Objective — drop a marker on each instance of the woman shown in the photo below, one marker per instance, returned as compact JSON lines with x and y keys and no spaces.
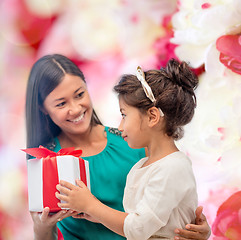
{"x":59,"y":114}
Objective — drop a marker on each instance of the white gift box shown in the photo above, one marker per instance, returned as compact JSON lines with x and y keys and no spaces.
{"x":45,"y":173}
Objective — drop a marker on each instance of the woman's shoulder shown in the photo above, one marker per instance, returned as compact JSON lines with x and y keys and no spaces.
{"x":51,"y":145}
{"x":117,"y":143}
{"x":113,"y":131}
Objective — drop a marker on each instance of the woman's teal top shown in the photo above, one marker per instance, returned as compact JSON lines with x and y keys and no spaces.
{"x":108,"y":171}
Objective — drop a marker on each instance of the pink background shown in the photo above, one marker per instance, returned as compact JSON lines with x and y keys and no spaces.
{"x":107,"y":38}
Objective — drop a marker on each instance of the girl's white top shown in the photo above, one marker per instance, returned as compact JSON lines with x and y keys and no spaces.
{"x":159,"y":198}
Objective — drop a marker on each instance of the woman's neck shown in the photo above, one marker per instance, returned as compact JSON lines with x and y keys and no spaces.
{"x":91,"y":142}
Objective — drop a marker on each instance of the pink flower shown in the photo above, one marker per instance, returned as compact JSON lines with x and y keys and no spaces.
{"x":229,"y":47}
{"x":164,"y":48}
{"x":206,"y":5}
{"x":227,"y":225}
{"x":30,"y":28}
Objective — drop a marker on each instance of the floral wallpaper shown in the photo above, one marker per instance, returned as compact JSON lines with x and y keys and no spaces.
{"x":107,"y":38}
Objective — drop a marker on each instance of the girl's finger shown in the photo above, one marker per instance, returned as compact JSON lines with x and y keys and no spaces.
{"x":63,"y":205}
{"x":61,"y":197}
{"x":80,"y":183}
{"x":67,"y":184}
{"x":62,"y":189}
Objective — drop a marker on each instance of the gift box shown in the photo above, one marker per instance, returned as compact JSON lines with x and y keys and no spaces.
{"x":47,"y":169}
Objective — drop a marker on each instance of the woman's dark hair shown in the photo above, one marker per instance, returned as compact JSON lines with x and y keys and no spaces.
{"x":173,"y":88}
{"x":46,"y":74}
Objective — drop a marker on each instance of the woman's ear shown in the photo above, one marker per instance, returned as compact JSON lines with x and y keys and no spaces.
{"x":43,"y":110}
{"x":153,"y":116}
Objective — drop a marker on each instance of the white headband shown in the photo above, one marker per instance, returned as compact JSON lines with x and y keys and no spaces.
{"x":147,"y":89}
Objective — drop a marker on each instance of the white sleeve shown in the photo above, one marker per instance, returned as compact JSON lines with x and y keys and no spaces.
{"x":166,"y":188}
{"x":141,"y":224}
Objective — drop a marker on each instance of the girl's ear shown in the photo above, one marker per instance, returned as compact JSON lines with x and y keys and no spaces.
{"x":153,"y":116}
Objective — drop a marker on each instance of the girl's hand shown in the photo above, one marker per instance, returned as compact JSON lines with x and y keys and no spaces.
{"x":78,"y":198}
{"x":86,"y":217}
{"x":199,"y":231}
{"x":45,"y":224}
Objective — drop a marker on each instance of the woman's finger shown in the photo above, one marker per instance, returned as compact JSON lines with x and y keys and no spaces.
{"x":44,"y":214}
{"x":186,"y":234}
{"x":79,"y":215}
{"x":181,"y":238}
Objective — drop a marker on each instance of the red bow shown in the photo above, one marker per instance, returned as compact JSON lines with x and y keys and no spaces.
{"x":43,"y":152}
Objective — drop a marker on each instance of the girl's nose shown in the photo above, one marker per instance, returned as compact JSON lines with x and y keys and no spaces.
{"x":120,"y":128}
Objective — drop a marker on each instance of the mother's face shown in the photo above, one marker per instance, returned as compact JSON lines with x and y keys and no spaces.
{"x":69,"y":106}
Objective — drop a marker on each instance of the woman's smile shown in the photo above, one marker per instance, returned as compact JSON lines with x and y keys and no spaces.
{"x":78,"y":119}
{"x":69,"y":105}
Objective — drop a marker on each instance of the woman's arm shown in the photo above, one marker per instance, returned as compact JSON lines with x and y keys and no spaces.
{"x":45,"y":225}
{"x":199,"y":231}
{"x":80,"y":199}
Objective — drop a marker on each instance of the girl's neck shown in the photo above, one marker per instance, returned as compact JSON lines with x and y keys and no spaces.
{"x":160,"y":148}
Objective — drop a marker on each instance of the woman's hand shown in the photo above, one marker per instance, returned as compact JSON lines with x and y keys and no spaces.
{"x":198,"y":231}
{"x":45,"y":224}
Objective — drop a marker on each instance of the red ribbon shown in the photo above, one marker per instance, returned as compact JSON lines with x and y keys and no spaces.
{"x":82,"y":171}
{"x":50,"y":172}
{"x":50,"y":180}
{"x":43,"y":152}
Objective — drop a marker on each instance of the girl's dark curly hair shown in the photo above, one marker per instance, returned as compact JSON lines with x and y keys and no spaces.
{"x":173,"y":88}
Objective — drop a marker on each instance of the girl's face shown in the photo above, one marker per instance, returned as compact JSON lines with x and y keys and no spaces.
{"x":69,"y":105}
{"x":133,"y":125}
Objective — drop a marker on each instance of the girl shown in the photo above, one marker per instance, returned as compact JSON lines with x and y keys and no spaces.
{"x":160,"y":193}
{"x":59,"y":114}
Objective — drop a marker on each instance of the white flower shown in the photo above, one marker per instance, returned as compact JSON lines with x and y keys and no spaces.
{"x":197,"y":27}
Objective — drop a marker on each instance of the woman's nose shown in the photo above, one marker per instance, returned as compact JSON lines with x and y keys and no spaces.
{"x":74,"y":108}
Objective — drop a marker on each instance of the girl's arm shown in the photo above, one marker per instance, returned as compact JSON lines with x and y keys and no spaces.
{"x":199,"y":231}
{"x":45,"y":225}
{"x":80,"y":199}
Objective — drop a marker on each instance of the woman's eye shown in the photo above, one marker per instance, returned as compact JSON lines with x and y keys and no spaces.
{"x":60,"y":104}
{"x":79,"y":94}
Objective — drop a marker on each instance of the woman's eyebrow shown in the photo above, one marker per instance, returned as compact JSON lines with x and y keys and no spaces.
{"x":80,"y":88}
{"x":60,"y":99}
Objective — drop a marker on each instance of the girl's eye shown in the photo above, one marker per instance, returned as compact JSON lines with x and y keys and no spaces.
{"x":60,"y":104}
{"x":123,"y":115}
